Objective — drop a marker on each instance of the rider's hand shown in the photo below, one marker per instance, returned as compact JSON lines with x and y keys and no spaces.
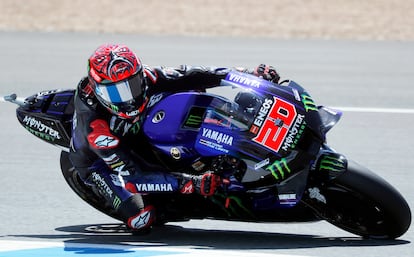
{"x":205,"y":184}
{"x":267,"y":72}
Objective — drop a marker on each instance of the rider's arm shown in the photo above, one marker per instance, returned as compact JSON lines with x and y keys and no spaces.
{"x":186,"y":77}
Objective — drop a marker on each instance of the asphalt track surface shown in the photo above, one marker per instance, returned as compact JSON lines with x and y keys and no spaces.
{"x":373,"y":80}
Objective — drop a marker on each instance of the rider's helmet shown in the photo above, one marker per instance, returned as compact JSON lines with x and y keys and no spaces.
{"x":117,"y":78}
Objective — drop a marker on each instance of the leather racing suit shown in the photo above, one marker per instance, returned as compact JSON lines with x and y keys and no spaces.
{"x":101,"y":142}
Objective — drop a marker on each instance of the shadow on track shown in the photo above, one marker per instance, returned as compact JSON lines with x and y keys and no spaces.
{"x":177,"y":236}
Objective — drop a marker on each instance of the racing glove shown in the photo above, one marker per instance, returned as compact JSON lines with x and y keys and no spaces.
{"x":205,"y":184}
{"x":267,"y":72}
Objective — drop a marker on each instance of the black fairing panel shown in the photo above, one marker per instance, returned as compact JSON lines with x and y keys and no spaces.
{"x":48,"y":116}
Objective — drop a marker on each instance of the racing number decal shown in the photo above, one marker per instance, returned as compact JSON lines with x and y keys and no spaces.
{"x":276,"y":125}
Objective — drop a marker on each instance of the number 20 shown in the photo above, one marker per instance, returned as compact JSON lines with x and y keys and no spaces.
{"x":276,"y":126}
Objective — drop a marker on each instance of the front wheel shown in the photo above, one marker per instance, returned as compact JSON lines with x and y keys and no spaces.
{"x":362,"y":203}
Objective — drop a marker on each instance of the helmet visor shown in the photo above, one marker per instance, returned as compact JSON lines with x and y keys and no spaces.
{"x":121,"y":92}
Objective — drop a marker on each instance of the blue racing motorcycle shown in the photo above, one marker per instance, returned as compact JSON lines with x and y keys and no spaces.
{"x":267,"y":140}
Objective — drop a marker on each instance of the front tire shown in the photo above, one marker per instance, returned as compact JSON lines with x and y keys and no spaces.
{"x":363,"y":203}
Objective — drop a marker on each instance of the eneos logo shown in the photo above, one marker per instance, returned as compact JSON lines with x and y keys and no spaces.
{"x":274,"y":128}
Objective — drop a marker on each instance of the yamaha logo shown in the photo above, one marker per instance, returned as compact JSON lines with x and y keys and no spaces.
{"x":158,"y":117}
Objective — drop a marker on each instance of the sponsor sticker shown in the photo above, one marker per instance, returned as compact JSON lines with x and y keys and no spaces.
{"x":149,"y":187}
{"x":243,"y":79}
{"x":104,"y":141}
{"x":273,"y":123}
{"x":215,"y":140}
{"x":32,"y":124}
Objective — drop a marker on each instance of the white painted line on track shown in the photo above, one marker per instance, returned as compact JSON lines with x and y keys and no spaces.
{"x":9,"y":248}
{"x":374,"y":110}
{"x":341,"y":108}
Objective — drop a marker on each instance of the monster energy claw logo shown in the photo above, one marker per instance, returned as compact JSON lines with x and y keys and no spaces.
{"x":116,"y":202}
{"x":114,"y":108}
{"x":193,"y":121}
{"x":279,"y":169}
{"x":308,"y":103}
{"x":332,"y":164}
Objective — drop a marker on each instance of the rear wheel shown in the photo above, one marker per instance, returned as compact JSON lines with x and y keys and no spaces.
{"x":362,"y":203}
{"x":71,"y":176}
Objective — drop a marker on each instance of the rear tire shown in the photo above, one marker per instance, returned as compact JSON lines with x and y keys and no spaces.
{"x":363,"y":203}
{"x":85,"y":192}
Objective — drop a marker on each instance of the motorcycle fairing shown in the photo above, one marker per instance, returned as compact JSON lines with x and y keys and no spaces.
{"x":188,"y":123}
{"x":284,"y":97}
{"x":48,"y":116}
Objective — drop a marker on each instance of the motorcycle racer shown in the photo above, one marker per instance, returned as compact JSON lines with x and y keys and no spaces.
{"x":110,"y":107}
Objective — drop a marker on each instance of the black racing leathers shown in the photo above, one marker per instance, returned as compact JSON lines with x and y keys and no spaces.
{"x":108,"y":151}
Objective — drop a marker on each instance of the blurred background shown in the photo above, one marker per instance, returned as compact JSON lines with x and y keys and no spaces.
{"x":283,"y":19}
